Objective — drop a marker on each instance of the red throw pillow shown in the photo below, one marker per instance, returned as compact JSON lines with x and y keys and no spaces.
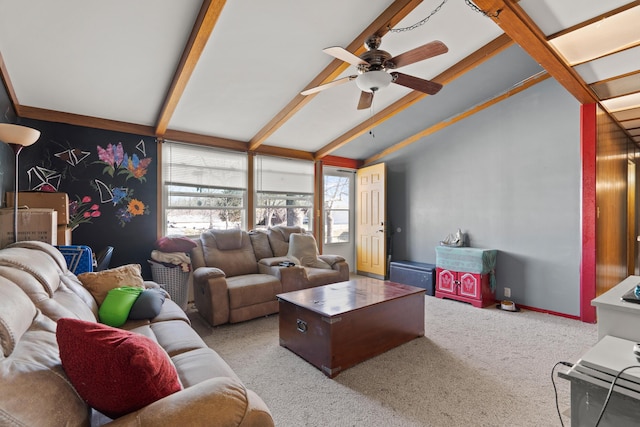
{"x":114,"y":371}
{"x":175,"y":244}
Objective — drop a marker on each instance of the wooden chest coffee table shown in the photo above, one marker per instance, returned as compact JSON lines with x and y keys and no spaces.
{"x":336,"y":326}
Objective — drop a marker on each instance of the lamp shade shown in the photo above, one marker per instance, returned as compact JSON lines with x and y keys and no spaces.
{"x":372,"y":81}
{"x":19,"y":135}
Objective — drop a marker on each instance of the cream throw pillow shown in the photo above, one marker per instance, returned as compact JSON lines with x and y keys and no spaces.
{"x":303,"y":250}
{"x":99,"y":283}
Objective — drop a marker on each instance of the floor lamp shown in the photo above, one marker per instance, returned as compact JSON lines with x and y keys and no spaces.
{"x":17,"y":137}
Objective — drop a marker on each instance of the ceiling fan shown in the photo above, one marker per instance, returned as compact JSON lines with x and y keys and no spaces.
{"x":373,"y":66}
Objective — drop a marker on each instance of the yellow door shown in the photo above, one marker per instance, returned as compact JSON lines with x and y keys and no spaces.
{"x":371,"y":243}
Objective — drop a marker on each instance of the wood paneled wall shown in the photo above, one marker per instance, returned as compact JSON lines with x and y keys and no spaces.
{"x":614,"y":151}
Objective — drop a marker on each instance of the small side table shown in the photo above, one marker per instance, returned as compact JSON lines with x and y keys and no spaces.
{"x":466,"y":274}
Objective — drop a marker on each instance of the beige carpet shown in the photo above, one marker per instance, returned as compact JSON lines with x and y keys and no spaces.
{"x":473,"y":367}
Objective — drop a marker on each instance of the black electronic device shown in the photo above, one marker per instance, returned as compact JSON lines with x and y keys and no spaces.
{"x":287,"y":264}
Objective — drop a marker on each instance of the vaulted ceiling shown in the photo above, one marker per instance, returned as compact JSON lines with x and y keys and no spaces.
{"x":229,"y":74}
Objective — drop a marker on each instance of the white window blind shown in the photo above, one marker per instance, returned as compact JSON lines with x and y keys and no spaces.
{"x":203,"y":188}
{"x":284,"y":192}
{"x":195,"y":165}
{"x":274,"y":174}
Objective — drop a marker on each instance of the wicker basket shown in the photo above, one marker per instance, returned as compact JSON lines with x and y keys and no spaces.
{"x":174,"y":280}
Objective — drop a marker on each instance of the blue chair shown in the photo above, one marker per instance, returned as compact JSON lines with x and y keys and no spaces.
{"x":79,"y":258}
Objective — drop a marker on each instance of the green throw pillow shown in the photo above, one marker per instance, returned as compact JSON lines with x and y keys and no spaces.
{"x":115,"y":309}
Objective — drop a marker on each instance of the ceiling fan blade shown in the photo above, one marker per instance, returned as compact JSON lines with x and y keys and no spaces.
{"x":328,"y":85}
{"x":420,"y":53}
{"x":366,"y":98}
{"x":344,"y":55}
{"x":415,"y":83}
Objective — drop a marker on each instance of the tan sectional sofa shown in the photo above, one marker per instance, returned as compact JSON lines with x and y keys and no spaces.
{"x":36,"y":290}
{"x":237,"y":274}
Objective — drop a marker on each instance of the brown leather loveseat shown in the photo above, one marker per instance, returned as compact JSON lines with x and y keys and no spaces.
{"x":237,"y":274}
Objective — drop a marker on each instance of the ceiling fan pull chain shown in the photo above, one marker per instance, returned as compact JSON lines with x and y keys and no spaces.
{"x":371,"y":114}
{"x":418,"y":24}
{"x":480,"y":11}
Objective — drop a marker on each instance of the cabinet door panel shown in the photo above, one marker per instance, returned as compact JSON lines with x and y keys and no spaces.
{"x":469,"y":285}
{"x":446,"y":281}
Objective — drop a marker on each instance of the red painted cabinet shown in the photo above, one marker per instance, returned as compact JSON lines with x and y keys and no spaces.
{"x":463,"y":286}
{"x":466,"y":274}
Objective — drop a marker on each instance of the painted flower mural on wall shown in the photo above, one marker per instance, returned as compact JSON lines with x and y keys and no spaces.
{"x":113,"y":156}
{"x":81,"y":211}
{"x":120,"y":163}
{"x":134,"y":208}
{"x":136,"y":167}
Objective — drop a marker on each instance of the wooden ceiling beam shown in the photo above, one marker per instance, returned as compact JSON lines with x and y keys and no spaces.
{"x":270,"y":150}
{"x":517,"y":24}
{"x":209,"y":141}
{"x":80,"y":120}
{"x":388,"y":19}
{"x":202,"y":29}
{"x":486,"y":52}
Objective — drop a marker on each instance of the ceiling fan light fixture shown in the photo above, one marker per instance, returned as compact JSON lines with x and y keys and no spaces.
{"x":372,"y":81}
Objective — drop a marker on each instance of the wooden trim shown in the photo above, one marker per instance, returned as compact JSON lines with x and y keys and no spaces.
{"x":87,"y":121}
{"x":553,"y":313}
{"x":389,"y":18}
{"x":439,"y":126}
{"x":210,"y":141}
{"x":342,"y":162}
{"x":159,"y":190}
{"x":202,"y":29}
{"x":588,"y":147}
{"x":318,"y":202}
{"x":284,"y":152}
{"x":484,"y":53}
{"x":517,"y":24}
{"x":251,"y":191}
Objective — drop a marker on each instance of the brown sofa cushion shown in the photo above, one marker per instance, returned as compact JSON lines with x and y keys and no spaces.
{"x":303,"y":250}
{"x":261,"y":246}
{"x":99,"y":283}
{"x":230,"y":251}
{"x":279,"y":238}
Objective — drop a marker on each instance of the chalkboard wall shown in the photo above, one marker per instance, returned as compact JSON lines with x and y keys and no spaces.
{"x":111,"y":180}
{"x":7,"y":159}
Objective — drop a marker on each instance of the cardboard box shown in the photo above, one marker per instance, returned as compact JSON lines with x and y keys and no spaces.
{"x":64,"y":235}
{"x":43,"y":199}
{"x":33,"y":224}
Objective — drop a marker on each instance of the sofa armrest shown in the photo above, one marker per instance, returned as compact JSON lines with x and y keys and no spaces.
{"x":205,"y":273}
{"x":210,"y":295}
{"x":331,"y":259}
{"x":292,"y":278}
{"x":337,"y":263}
{"x":222,"y":399}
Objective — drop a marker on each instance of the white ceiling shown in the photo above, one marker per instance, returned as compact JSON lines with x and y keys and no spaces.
{"x":117,"y":60}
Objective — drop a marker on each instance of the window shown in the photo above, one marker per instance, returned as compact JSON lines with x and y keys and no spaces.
{"x":284,"y":192}
{"x":337,"y":203}
{"x":203,"y":188}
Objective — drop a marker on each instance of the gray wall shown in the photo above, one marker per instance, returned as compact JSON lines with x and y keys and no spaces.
{"x":508,"y":176}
